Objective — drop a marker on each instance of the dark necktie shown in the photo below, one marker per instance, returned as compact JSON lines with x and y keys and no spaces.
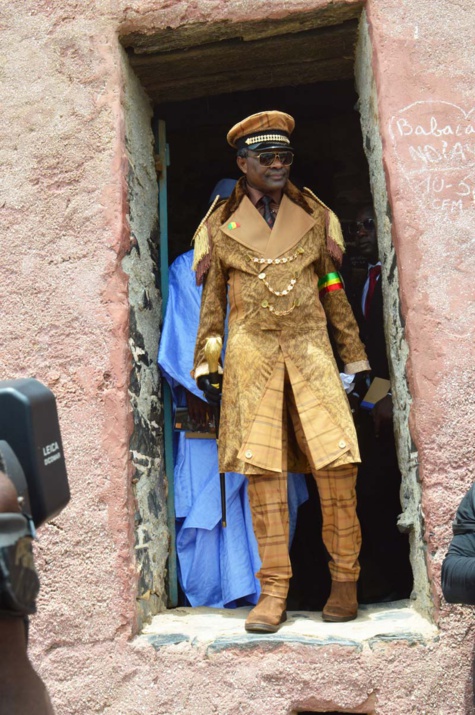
{"x":374,"y":273}
{"x":268,"y":215}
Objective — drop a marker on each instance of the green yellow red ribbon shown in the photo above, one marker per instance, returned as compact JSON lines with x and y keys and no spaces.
{"x":329,"y":283}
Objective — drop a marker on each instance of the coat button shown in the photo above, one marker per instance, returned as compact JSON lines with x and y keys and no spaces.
{"x":342,"y":444}
{"x":248,"y":454}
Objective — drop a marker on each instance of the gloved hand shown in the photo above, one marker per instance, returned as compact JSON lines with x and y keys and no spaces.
{"x":212,"y":394}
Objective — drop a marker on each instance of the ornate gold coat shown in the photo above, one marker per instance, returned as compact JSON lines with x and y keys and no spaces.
{"x":278,"y":332}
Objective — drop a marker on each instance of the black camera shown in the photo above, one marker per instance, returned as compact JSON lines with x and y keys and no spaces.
{"x":31,"y":455}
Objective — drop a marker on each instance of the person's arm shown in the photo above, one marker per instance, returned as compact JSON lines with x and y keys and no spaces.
{"x":458,"y":570}
{"x":212,"y":313}
{"x":180,"y":325}
{"x":340,"y":318}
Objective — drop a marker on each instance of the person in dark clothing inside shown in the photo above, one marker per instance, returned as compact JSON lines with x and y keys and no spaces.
{"x":385,"y":568}
{"x":458,"y":568}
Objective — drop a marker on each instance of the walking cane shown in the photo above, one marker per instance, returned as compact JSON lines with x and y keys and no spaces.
{"x":213,"y":350}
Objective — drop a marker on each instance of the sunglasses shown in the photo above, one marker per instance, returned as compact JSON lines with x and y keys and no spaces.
{"x":267,"y":158}
{"x":367,"y":224}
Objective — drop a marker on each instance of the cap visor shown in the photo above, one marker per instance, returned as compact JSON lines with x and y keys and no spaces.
{"x":264,"y":146}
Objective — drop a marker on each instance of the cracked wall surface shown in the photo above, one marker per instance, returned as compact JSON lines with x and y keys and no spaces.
{"x":411,"y":519}
{"x":141,"y":266}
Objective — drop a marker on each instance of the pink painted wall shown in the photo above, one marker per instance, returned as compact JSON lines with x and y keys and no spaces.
{"x":424,"y":67}
{"x":65,"y":321}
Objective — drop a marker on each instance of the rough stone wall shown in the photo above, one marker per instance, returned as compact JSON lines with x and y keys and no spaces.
{"x":410,"y":520}
{"x":66,"y":321}
{"x":141,"y":265}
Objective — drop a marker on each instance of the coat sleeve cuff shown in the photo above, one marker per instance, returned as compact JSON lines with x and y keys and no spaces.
{"x":360,"y":366}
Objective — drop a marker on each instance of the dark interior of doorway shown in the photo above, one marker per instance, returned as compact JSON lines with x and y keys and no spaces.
{"x":329,"y":152}
{"x":330,"y":160}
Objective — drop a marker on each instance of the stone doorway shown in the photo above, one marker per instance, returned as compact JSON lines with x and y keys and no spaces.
{"x":330,"y":160}
{"x":183,"y":78}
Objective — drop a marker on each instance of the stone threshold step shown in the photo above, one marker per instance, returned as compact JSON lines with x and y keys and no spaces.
{"x":219,"y":629}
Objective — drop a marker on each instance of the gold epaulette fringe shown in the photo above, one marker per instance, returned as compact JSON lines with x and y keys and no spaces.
{"x":201,"y":239}
{"x":335,"y":241}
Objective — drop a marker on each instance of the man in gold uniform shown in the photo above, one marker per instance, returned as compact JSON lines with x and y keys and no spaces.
{"x":274,"y":253}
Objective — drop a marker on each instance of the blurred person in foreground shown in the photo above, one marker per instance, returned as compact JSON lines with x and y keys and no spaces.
{"x":458,"y":568}
{"x":22,"y":692}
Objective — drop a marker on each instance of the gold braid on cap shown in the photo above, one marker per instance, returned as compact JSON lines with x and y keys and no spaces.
{"x":202,"y":246}
{"x":267,"y":138}
{"x":335,"y":242}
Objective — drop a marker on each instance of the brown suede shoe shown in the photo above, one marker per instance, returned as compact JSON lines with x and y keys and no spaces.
{"x":267,"y":616}
{"x":342,"y":605}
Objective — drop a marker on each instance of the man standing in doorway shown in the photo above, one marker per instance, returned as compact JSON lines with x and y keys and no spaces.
{"x":274,"y":252}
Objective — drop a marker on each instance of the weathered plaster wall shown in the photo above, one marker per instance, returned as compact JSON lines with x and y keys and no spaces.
{"x":66,"y":321}
{"x":423,"y":66}
{"x":65,"y":312}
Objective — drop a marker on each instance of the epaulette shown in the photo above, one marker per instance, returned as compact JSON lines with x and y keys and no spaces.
{"x":202,"y":246}
{"x":334,"y":236}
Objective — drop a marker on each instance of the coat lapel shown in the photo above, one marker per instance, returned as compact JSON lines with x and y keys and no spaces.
{"x":292,"y":223}
{"x":247,"y":226}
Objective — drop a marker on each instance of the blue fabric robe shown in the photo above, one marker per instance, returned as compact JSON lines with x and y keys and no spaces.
{"x":216,"y":566}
